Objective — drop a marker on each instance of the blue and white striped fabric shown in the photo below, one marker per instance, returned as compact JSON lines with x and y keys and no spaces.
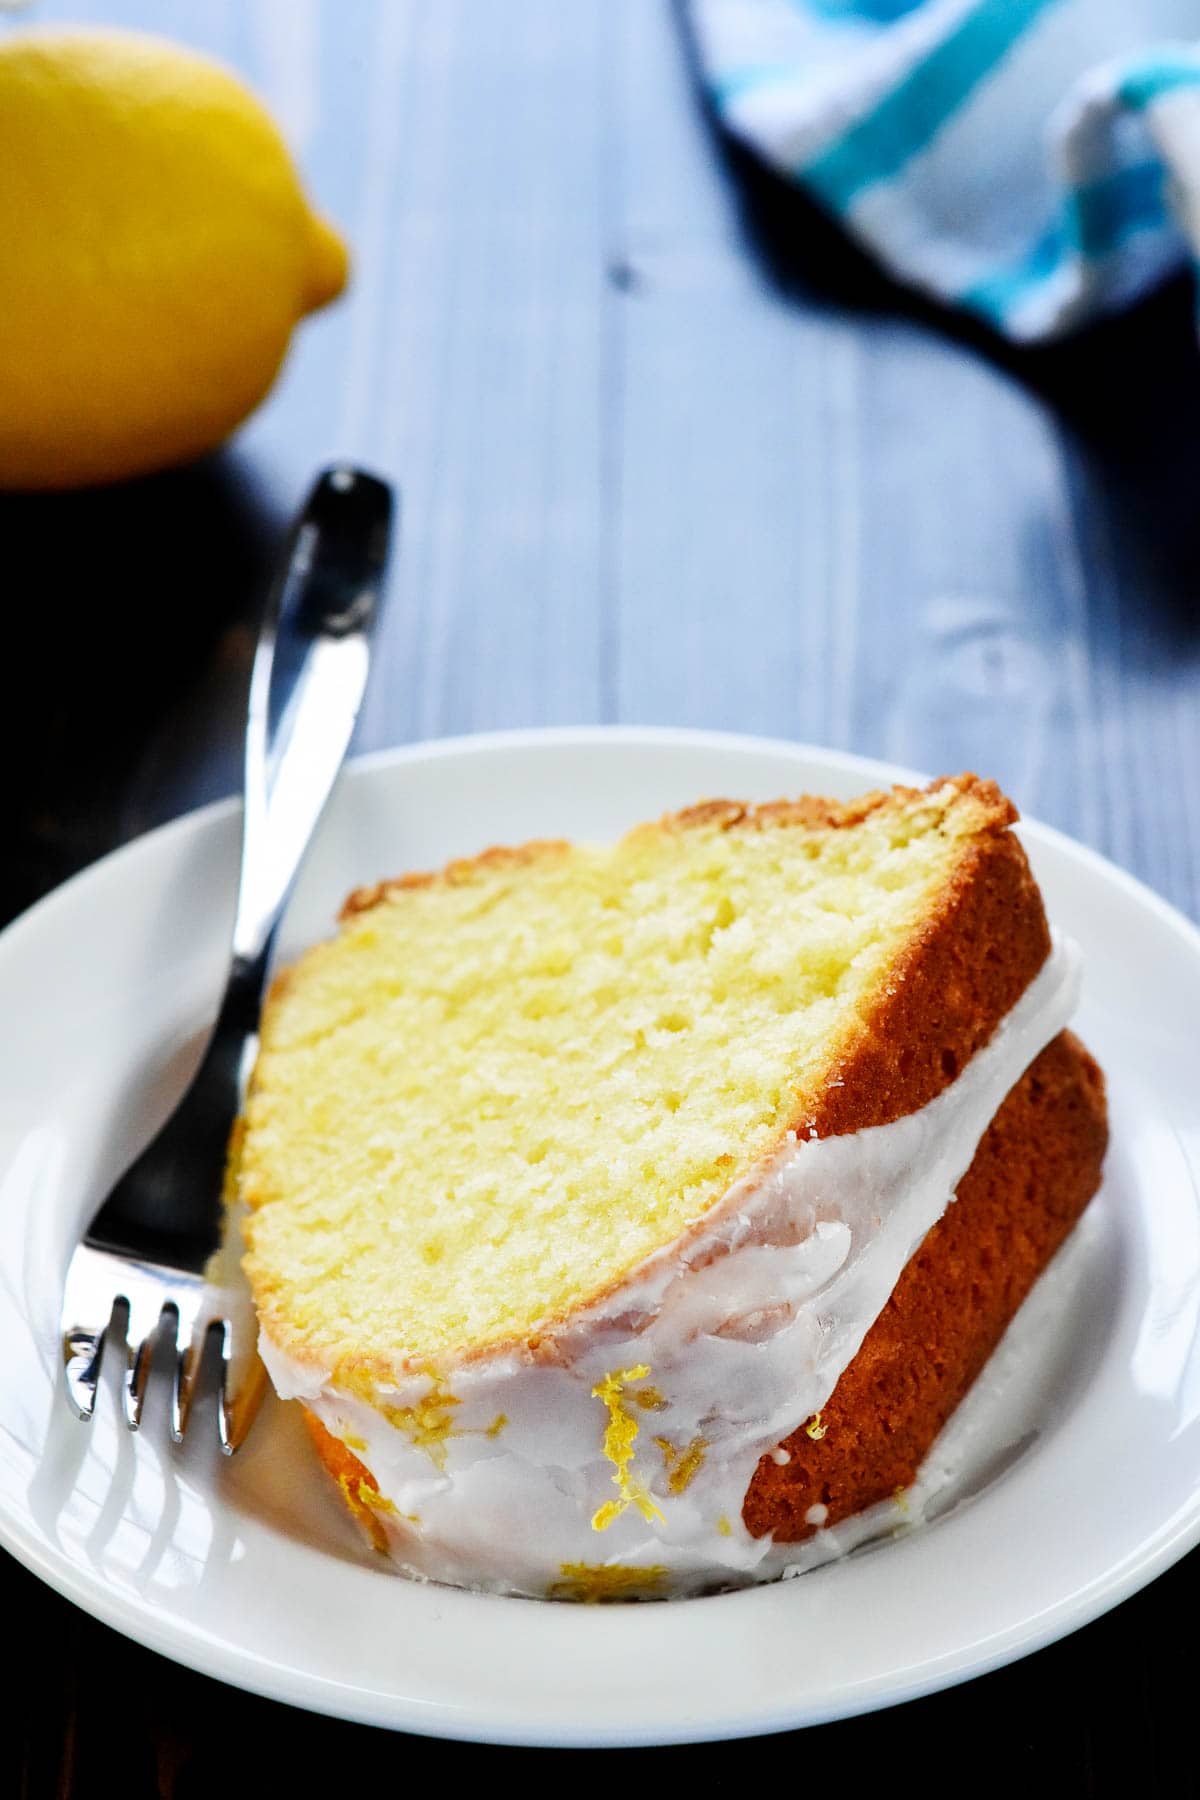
{"x":1034,"y":161}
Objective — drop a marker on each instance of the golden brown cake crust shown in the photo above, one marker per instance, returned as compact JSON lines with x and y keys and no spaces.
{"x":977,"y":955}
{"x":978,"y":952}
{"x":359,"y":1488}
{"x":500,"y":856}
{"x":1034,"y":1172}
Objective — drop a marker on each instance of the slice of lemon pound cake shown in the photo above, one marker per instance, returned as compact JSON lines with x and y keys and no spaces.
{"x":577,"y":1176}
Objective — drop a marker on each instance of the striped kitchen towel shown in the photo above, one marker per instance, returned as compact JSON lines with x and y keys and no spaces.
{"x":1034,"y":161}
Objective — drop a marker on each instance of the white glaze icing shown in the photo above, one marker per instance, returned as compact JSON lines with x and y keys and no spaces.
{"x":736,"y":1336}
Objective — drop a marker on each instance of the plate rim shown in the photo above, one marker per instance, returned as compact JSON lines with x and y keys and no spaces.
{"x":190,"y":1645}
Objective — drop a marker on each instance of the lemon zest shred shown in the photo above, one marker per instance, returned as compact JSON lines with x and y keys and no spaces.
{"x":620,"y":1434}
{"x":429,"y":1422}
{"x":724,"y":1528}
{"x":371,"y":1496}
{"x":650,"y":1399}
{"x":682,"y":1465}
{"x":814,"y":1429}
{"x":366,"y":1502}
{"x":595,"y":1583}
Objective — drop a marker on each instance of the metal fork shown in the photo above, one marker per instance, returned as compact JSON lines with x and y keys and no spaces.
{"x":153,"y":1241}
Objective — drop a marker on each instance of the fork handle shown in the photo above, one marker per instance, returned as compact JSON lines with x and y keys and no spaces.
{"x":307,"y":684}
{"x":310,"y":670}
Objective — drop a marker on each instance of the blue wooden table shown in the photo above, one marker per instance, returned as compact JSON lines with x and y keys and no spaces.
{"x":671,"y":452}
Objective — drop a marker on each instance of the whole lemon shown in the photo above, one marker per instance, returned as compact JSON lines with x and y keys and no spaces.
{"x":156,"y":251}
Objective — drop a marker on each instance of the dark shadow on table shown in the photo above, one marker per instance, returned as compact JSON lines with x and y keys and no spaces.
{"x":1126,"y":391}
{"x":123,"y":605}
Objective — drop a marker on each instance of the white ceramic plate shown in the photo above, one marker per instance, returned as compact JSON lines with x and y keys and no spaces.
{"x":249,"y":1571}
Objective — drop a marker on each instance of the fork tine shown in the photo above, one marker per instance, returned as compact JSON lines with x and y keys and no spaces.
{"x":146,"y":1308}
{"x":243,"y":1380}
{"x":82,"y":1351}
{"x":226,"y":1423}
{"x":191,"y":1332}
{"x":83,"y":1343}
